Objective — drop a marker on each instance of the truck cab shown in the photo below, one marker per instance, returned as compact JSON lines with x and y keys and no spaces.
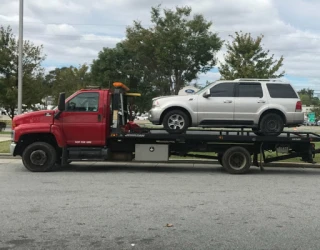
{"x":82,"y":123}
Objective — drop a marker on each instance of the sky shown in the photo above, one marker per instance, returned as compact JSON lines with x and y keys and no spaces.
{"x":74,"y":31}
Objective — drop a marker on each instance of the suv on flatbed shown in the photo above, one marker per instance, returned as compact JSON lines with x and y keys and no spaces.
{"x":264,"y":105}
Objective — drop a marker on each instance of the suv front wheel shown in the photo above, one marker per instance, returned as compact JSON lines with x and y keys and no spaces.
{"x":176,"y":122}
{"x":271,"y":125}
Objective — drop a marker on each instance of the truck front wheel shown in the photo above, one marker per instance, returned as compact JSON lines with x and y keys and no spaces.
{"x":39,"y":157}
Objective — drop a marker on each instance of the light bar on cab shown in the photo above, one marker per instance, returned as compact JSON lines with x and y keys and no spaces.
{"x":120,"y":85}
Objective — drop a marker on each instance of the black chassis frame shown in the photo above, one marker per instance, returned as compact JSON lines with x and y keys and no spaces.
{"x":300,"y":144}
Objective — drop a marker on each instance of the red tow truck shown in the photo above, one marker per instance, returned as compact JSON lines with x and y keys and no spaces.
{"x":96,"y":124}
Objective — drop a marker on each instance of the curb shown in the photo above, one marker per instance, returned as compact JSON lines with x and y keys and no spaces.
{"x":8,"y":156}
{"x":291,"y":165}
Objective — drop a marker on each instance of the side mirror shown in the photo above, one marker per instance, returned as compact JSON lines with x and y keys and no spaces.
{"x":207,"y":94}
{"x":62,"y":102}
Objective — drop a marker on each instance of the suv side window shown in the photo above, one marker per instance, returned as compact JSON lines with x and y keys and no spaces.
{"x":224,"y":89}
{"x":84,"y":102}
{"x":281,"y":90}
{"x":253,"y":89}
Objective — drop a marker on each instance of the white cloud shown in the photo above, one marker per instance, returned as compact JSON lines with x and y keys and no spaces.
{"x":103,"y":39}
{"x":74,"y":31}
{"x":61,"y":29}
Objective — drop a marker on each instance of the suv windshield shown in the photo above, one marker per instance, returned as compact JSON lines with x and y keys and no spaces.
{"x":204,"y":88}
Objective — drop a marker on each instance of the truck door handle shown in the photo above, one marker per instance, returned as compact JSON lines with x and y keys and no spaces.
{"x":262,"y":101}
{"x":227,"y":101}
{"x":99,"y":118}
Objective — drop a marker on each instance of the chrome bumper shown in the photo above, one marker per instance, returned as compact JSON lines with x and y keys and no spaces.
{"x":12,"y":148}
{"x":154,"y":116}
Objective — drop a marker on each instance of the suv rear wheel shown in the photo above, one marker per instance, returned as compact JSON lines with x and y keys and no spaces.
{"x":257,"y":132}
{"x":271,"y":124}
{"x":176,"y":122}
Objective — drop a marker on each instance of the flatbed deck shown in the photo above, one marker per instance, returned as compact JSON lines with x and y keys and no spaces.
{"x":221,"y":136}
{"x":290,"y":144}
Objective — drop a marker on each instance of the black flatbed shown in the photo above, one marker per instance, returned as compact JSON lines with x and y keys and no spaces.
{"x":237,"y":136}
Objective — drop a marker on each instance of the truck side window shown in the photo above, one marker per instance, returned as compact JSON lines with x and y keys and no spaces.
{"x":84,"y":102}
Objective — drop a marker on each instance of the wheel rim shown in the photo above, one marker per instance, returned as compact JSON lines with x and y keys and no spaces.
{"x":272,"y":126}
{"x":237,"y":161}
{"x":176,"y":122}
{"x":38,"y":157}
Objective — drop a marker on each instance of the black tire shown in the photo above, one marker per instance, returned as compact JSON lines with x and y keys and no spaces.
{"x":257,"y":132}
{"x":58,"y":162}
{"x":271,"y":124}
{"x":176,"y":122}
{"x":39,"y":157}
{"x":220,"y":156}
{"x":236,"y":160}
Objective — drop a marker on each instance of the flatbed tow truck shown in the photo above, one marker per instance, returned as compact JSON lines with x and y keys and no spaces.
{"x":96,"y":124}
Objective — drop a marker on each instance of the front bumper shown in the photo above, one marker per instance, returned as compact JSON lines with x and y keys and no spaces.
{"x":12,"y":148}
{"x":155,"y":115}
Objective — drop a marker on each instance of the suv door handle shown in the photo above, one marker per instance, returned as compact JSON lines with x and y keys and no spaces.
{"x":227,"y":101}
{"x":262,"y":101}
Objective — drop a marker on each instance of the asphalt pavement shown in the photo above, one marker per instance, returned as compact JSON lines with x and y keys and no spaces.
{"x":141,"y":206}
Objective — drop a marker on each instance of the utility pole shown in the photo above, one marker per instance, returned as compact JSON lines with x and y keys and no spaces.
{"x":20,"y":70}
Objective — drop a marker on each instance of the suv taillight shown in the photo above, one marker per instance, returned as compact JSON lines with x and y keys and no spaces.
{"x":298,"y":106}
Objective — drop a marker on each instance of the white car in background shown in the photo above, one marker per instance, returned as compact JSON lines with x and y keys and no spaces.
{"x":3,"y":111}
{"x":142,"y":117}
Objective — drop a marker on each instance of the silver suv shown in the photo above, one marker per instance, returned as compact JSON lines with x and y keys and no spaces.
{"x":264,"y":105}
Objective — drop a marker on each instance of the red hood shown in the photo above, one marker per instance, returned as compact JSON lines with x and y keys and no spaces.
{"x":43,"y":116}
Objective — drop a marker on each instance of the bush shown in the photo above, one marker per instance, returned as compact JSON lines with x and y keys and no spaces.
{"x":3,"y":125}
{"x":7,"y":122}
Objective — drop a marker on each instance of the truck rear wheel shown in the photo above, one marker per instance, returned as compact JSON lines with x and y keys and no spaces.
{"x":236,"y":160}
{"x":39,"y":157}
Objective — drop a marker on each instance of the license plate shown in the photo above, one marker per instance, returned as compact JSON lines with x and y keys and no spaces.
{"x":282,"y":150}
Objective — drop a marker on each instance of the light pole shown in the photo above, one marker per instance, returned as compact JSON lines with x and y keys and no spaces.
{"x":20,"y":70}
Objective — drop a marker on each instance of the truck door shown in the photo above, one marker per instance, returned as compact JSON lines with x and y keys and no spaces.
{"x":83,"y":120}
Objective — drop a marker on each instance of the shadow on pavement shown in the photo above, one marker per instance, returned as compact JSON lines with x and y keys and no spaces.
{"x":192,"y":168}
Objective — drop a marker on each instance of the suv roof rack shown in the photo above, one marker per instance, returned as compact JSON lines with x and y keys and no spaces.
{"x":257,"y":79}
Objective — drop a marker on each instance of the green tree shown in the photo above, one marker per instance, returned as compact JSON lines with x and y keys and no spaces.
{"x":307,"y":97}
{"x":245,"y":58}
{"x":119,"y":64}
{"x":67,"y":79}
{"x":33,"y":73}
{"x":308,"y":92}
{"x":175,"y":49}
{"x":116,"y":64}
{"x":316,"y":110}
